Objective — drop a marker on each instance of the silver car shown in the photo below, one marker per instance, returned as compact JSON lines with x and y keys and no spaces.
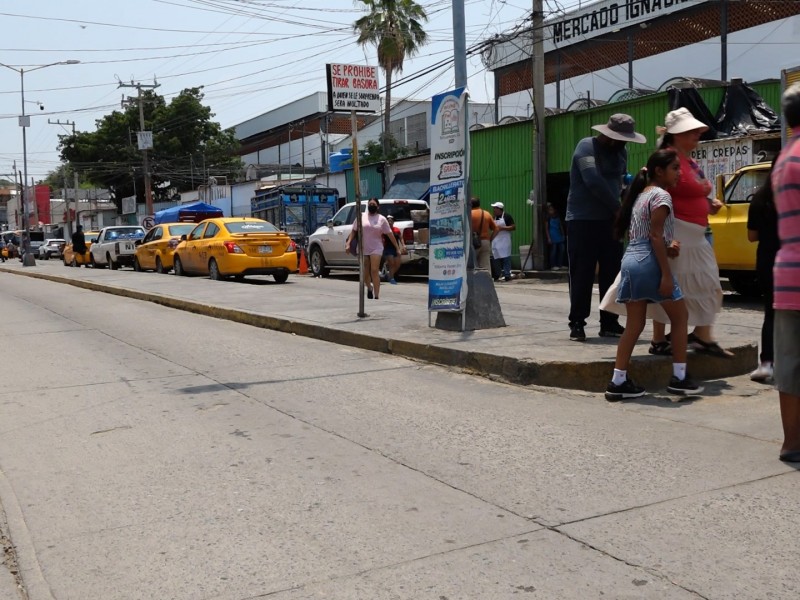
{"x":326,"y":244}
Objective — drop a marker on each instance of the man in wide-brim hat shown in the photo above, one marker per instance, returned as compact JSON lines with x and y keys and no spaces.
{"x":595,"y":183}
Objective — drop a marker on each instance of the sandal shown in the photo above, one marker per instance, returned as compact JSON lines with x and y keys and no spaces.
{"x":710,"y":348}
{"x":661,"y":348}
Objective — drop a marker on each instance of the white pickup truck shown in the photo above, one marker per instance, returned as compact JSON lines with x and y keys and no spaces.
{"x":115,"y":246}
{"x":326,"y":244}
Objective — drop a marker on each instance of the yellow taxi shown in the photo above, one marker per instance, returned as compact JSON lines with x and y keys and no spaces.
{"x":76,"y":260}
{"x":736,"y":256}
{"x":236,"y":246}
{"x":155,"y":251}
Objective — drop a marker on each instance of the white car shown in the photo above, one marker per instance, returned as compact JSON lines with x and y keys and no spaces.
{"x":51,"y":248}
{"x":115,"y":246}
{"x":326,"y":244}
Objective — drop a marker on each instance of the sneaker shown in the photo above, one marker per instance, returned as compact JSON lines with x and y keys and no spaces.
{"x":393,"y":281}
{"x":683,"y":387}
{"x":763,"y":372}
{"x":576,"y":333}
{"x":627,"y":389}
{"x":613,"y":330}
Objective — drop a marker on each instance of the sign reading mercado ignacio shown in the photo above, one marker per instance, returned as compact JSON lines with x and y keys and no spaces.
{"x":603,"y":17}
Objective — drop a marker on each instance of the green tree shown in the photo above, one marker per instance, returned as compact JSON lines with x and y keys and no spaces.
{"x":187,"y":147}
{"x":394,"y":27}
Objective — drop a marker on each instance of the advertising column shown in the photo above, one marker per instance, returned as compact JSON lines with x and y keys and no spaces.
{"x":447,"y":283}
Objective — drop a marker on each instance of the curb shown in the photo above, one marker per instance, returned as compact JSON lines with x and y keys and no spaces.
{"x":593,"y":376}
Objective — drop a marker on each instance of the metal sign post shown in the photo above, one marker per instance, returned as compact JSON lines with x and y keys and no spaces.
{"x":354,"y":88}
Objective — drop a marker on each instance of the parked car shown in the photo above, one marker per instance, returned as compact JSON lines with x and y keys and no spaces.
{"x":236,"y":246}
{"x":736,"y":256}
{"x":326,"y":244}
{"x":156,"y":250}
{"x":51,"y":248}
{"x":115,"y":246}
{"x":70,"y":259}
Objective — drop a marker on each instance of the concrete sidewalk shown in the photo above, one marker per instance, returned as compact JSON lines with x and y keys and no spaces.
{"x":534,"y":347}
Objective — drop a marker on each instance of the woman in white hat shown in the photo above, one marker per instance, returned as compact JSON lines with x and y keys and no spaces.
{"x":696,"y":267}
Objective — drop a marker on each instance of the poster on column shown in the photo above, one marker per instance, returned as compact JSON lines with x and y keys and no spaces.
{"x":447,"y":266}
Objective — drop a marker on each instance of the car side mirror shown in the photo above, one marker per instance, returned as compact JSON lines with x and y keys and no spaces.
{"x":184,"y":238}
{"x":137,"y":243}
{"x":329,"y":223}
{"x":93,"y":240}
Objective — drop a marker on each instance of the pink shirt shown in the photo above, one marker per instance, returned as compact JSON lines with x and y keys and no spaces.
{"x":690,"y":196}
{"x":374,"y":227}
{"x":786,"y":185}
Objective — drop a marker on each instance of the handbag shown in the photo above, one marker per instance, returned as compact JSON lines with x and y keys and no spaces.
{"x":476,"y":235}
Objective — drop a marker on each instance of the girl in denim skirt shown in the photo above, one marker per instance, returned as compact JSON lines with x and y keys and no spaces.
{"x":646,"y":217}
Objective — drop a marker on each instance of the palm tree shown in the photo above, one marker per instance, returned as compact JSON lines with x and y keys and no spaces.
{"x":395,"y":28}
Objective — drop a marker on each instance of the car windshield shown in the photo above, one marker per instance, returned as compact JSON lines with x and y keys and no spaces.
{"x":126,"y":233}
{"x":182,"y":229}
{"x":250,"y":227}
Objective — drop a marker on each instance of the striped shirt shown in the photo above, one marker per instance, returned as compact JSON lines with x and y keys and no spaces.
{"x":786,"y":186}
{"x":643,"y":207}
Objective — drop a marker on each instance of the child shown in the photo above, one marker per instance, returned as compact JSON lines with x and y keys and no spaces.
{"x":645,"y":276}
{"x":555,"y":238}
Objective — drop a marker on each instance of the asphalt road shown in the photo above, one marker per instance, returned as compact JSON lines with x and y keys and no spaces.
{"x":151,"y":453}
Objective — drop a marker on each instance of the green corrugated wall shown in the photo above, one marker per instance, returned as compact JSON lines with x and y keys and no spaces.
{"x":501,"y":170}
{"x":368,"y":173}
{"x":502,"y":156}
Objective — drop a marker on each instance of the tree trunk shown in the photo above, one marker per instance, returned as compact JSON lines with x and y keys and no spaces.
{"x":387,"y":114}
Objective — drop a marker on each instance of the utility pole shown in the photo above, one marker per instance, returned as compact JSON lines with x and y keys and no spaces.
{"x":539,"y":148}
{"x":143,"y":146}
{"x":70,"y":229}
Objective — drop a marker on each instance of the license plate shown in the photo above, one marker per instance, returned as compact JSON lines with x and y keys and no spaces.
{"x":265,"y":249}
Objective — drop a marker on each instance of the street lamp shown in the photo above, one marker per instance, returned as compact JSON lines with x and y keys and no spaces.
{"x":28,"y":259}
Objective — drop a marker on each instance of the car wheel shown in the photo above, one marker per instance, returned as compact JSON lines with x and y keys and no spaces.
{"x":319,"y":266}
{"x":111,"y":264}
{"x":159,"y":266}
{"x":96,"y":264}
{"x":213,"y":271}
{"x":745,"y":284}
{"x":136,"y":265}
{"x":281,"y":277}
{"x":178,"y":267}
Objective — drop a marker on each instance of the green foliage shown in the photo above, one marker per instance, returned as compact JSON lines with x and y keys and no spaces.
{"x":187,"y":147}
{"x":373,"y":151}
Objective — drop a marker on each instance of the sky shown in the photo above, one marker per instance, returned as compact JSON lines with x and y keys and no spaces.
{"x":251,"y":56}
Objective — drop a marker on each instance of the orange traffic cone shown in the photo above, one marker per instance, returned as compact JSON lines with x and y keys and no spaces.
{"x":303,"y":268}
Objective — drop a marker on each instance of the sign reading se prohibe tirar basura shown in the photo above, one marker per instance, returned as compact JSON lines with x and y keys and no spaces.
{"x":353,"y":88}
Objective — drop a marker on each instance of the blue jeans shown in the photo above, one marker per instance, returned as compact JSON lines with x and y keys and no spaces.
{"x":505,"y":265}
{"x":557,"y":254}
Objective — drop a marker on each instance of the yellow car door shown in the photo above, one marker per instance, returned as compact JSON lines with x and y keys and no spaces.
{"x":191,"y":260}
{"x":729,"y":225}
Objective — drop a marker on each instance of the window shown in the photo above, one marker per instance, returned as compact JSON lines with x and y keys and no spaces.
{"x":179,"y":230}
{"x":745,"y":186}
{"x":211,"y":231}
{"x":417,"y":131}
{"x":250,"y":226}
{"x":197,"y":232}
{"x":344,"y":216}
{"x":153,"y":234}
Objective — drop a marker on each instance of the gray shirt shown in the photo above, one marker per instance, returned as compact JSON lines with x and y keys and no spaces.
{"x":595,"y":181}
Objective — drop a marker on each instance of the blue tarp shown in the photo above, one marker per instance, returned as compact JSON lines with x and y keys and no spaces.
{"x":196,"y":211}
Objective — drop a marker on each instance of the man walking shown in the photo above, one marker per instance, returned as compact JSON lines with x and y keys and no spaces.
{"x":595,"y":182}
{"x":501,"y":242}
{"x":482,"y":224}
